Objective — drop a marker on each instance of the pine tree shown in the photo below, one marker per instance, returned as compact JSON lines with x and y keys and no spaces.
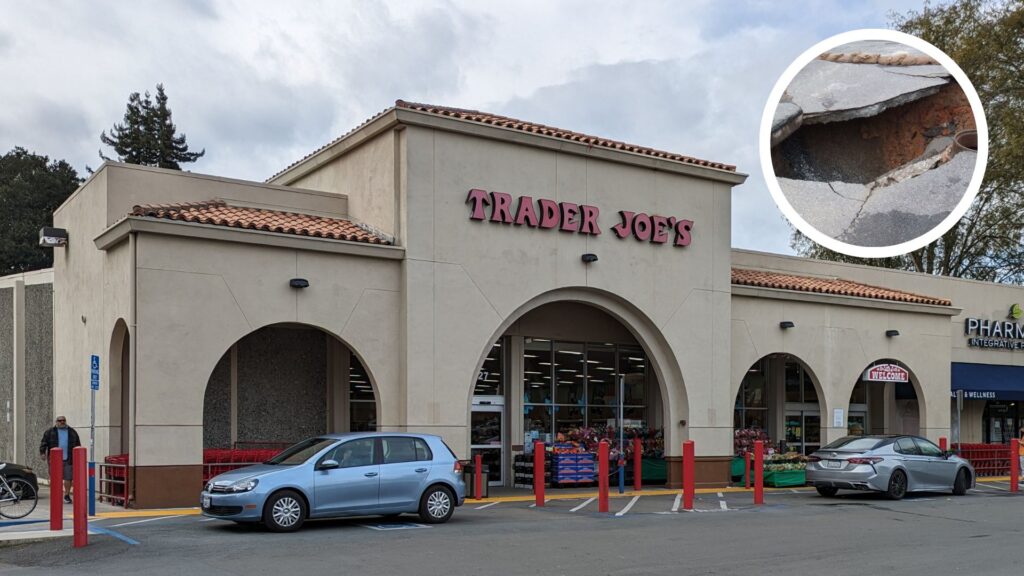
{"x":148,"y":135}
{"x":31,"y":188}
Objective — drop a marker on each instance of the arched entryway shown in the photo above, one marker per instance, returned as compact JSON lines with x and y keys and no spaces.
{"x":779,"y":399}
{"x":283,"y":383}
{"x":572,"y":371}
{"x":118,"y":395}
{"x":885,"y":400}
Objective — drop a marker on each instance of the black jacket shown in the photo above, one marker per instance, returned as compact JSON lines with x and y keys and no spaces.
{"x":51,"y":440}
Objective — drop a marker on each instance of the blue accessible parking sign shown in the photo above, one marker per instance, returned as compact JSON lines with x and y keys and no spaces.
{"x":94,"y":372}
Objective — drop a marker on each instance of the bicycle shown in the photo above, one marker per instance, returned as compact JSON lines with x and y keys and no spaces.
{"x":17,"y":497}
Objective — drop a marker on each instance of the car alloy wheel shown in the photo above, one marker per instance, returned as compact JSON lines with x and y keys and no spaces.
{"x":286,"y":512}
{"x":897,"y":485}
{"x":438,"y":504}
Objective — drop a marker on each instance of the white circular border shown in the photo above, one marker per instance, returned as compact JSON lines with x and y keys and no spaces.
{"x":766,"y":154}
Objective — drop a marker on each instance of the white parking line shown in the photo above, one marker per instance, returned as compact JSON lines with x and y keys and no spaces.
{"x":209,"y":519}
{"x":794,"y":490}
{"x":627,"y":506}
{"x":720,"y":495}
{"x":588,"y":501}
{"x":723,"y":505}
{"x":675,"y":504}
{"x":990,"y":485}
{"x":534,"y":505}
{"x":141,"y":521}
{"x":487,"y":505}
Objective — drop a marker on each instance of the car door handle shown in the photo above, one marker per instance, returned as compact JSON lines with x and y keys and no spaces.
{"x":421,"y":469}
{"x":370,"y":474}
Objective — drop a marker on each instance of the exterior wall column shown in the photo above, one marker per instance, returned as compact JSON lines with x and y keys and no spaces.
{"x":18,"y":345}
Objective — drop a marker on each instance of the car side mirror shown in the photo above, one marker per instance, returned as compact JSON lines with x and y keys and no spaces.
{"x":948,"y":453}
{"x":328,"y":465}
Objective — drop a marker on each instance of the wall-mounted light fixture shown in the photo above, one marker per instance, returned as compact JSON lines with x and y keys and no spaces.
{"x":891,"y":333}
{"x":682,"y":422}
{"x":50,"y":237}
{"x":589,"y":258}
{"x":298,"y":283}
{"x":786,"y":324}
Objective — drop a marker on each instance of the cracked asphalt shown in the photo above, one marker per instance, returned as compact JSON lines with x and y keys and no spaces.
{"x":887,"y":215}
{"x":796,"y":532}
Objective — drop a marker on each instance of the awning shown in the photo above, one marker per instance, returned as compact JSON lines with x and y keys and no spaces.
{"x":988,"y":381}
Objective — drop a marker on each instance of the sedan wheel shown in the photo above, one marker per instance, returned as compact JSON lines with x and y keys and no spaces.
{"x":897,"y":485}
{"x":284,"y":512}
{"x":437,"y":505}
{"x":960,"y":484}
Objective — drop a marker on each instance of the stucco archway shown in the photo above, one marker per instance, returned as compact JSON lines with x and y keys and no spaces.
{"x":786,"y":401}
{"x":284,"y":382}
{"x":118,"y":391}
{"x":900,"y":414}
{"x":663,"y":364}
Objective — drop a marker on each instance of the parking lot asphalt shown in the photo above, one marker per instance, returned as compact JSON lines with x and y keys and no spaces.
{"x":795,"y":532}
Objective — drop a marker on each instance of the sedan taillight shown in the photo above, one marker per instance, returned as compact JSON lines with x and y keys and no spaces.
{"x":813,"y":459}
{"x":458,"y":467}
{"x":868,"y":460}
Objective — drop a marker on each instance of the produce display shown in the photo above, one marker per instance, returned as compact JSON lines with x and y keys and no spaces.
{"x":785,"y":462}
{"x":744,"y":438}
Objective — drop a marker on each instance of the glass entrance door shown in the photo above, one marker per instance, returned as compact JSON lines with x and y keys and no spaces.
{"x":803,"y":431}
{"x":486,"y":437}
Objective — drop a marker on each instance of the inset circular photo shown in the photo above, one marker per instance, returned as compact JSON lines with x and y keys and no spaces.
{"x":874,"y":143}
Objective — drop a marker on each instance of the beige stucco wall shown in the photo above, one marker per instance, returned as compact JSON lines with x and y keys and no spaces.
{"x":837,"y":343}
{"x":465,"y":281}
{"x":197,"y":298}
{"x":90,"y":293}
{"x":366,"y":175}
{"x":975,"y":299}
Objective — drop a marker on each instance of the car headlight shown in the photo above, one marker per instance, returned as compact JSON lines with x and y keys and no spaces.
{"x":243,"y":485}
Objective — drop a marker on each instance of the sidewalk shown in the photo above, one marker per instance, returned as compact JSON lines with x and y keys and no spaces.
{"x":36,"y":526}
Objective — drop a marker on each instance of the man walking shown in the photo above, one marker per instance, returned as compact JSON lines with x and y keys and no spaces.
{"x":64,"y":437}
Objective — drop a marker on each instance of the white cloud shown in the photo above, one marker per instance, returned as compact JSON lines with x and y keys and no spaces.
{"x":260,"y":84}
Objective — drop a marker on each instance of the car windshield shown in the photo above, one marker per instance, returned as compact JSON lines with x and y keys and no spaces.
{"x":854,"y":444}
{"x":301,"y":452}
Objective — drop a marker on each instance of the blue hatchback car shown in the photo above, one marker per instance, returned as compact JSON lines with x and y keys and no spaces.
{"x":334,"y":475}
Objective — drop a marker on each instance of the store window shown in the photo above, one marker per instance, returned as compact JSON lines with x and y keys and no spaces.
{"x":752,"y":400}
{"x":491,"y":381}
{"x":572,"y":385}
{"x":362,"y":409}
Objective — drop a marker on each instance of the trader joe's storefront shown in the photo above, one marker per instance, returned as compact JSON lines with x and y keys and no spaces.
{"x":567,"y":375}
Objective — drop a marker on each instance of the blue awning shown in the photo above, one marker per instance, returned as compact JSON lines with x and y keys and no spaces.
{"x":988,"y":381}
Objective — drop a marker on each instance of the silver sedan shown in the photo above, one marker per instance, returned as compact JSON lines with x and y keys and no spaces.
{"x":893,"y":465}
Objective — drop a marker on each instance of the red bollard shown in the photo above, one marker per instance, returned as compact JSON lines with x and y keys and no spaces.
{"x":478,"y":485}
{"x":758,"y":472}
{"x":80,"y":495}
{"x":1014,"y":464}
{"x":689,"y":485}
{"x":942,"y":443}
{"x":602,"y":476}
{"x":637,"y":464}
{"x":538,"y":473}
{"x":746,"y":469}
{"x":56,"y":489}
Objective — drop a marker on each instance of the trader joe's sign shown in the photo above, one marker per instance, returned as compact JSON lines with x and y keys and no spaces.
{"x":502,"y":208}
{"x":886,"y":373}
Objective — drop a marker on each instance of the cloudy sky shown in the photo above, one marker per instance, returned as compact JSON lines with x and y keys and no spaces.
{"x":259,"y":84}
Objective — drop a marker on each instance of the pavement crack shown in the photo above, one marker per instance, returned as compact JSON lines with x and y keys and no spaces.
{"x":908,"y":513}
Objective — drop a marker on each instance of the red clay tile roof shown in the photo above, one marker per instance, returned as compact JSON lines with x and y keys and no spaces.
{"x":219,"y":213}
{"x":523,"y":126}
{"x":836,"y":286}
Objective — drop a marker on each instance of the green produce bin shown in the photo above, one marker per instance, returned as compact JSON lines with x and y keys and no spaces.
{"x":785,"y":478}
{"x":655,"y":470}
{"x":738,"y":467}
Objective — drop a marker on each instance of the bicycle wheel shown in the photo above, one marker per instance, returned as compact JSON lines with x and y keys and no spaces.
{"x":18,"y":500}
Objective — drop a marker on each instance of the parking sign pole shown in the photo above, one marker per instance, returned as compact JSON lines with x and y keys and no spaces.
{"x":94,"y":386}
